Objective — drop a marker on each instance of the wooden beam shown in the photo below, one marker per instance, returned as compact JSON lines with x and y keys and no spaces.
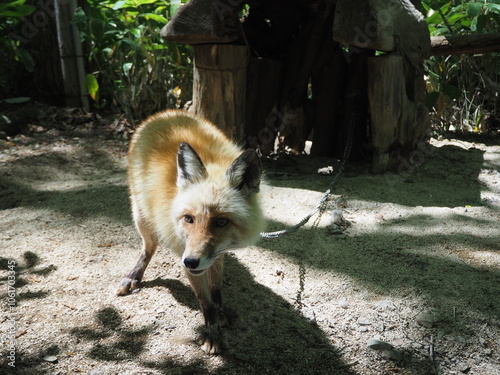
{"x":464,"y":44}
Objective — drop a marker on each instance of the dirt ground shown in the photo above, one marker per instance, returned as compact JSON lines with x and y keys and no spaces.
{"x":409,"y":283}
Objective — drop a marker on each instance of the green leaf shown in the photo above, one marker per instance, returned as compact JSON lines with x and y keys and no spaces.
{"x":495,"y":8}
{"x":126,"y":68}
{"x":11,"y":4}
{"x":18,"y":100}
{"x":174,"y":6}
{"x":455,"y":18}
{"x":473,"y":25}
{"x":474,"y":9}
{"x":133,"y":44}
{"x":19,"y":11}
{"x":92,"y":86}
{"x":119,"y":5}
{"x":154,"y":17}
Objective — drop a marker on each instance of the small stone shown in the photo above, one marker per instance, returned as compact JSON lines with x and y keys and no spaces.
{"x":483,"y":342}
{"x":386,"y":305}
{"x":463,"y":367}
{"x":376,"y":344}
{"x":325,"y":170}
{"x":425,"y":319}
{"x":337,"y":217}
{"x":460,"y":340}
{"x":363,"y":329}
{"x":50,"y":358}
{"x":344,"y":304}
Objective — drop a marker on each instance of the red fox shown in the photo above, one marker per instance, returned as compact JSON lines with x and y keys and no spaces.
{"x":197,"y":192}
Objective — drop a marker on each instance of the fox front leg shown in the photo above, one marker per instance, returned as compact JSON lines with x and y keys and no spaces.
{"x":207,"y":288}
{"x":133,"y":279}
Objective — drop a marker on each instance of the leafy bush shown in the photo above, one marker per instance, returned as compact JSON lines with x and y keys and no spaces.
{"x":130,"y":66}
{"x":463,"y":89}
{"x":12,"y":55}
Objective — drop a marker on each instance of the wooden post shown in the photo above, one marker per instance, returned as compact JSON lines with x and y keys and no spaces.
{"x":219,"y":86}
{"x":70,"y":52}
{"x":398,"y":124}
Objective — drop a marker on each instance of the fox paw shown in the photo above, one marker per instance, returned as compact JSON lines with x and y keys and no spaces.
{"x":127,"y":286}
{"x":212,"y":344}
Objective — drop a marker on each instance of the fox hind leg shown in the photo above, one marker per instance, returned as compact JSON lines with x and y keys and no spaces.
{"x":133,"y":279}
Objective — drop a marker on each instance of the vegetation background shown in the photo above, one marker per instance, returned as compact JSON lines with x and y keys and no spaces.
{"x":131,"y":70}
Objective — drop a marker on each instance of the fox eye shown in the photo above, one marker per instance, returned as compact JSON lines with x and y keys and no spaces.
{"x":188,"y":219}
{"x":221,"y":222}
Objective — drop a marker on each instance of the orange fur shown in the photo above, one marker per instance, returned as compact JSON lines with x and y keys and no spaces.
{"x":196,"y":191}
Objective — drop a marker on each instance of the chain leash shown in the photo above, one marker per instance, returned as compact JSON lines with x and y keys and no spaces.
{"x":319,"y":209}
{"x":323,"y":204}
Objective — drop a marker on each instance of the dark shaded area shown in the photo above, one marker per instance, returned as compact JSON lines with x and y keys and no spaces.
{"x":93,"y":166}
{"x":432,"y":176}
{"x":23,"y":269}
{"x":272,"y":336}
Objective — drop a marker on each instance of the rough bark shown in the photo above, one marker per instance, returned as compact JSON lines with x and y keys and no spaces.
{"x":219,"y":86}
{"x":464,"y":44}
{"x":398,"y":123}
{"x":203,"y":21}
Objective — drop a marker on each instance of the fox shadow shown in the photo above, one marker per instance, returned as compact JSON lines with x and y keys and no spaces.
{"x":271,"y":336}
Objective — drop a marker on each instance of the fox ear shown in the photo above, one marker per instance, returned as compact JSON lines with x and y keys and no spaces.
{"x":190,"y":168}
{"x":245,"y":173}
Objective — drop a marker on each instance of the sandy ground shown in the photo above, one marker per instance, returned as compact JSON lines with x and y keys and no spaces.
{"x":416,"y":266}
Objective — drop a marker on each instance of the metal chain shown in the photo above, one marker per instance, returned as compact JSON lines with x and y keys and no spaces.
{"x":321,"y":207}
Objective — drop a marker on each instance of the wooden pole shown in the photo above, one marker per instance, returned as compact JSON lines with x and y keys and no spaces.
{"x":219,"y":86}
{"x":71,"y":61}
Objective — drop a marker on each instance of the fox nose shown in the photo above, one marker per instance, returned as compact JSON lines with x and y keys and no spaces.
{"x":191,"y":263}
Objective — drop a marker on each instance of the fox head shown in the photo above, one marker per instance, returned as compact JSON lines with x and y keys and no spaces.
{"x":215,"y":208}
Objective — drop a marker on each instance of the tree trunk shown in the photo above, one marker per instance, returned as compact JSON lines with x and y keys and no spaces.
{"x":219,"y":86}
{"x":398,"y":123}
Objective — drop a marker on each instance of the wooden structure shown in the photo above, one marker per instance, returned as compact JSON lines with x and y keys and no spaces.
{"x":287,"y":70}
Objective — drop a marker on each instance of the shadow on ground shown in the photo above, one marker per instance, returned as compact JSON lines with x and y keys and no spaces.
{"x":441,"y":176}
{"x":391,"y":262}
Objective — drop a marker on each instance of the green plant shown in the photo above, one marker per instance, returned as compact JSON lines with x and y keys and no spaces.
{"x":130,"y":66}
{"x":12,"y":54}
{"x":462,"y":89}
